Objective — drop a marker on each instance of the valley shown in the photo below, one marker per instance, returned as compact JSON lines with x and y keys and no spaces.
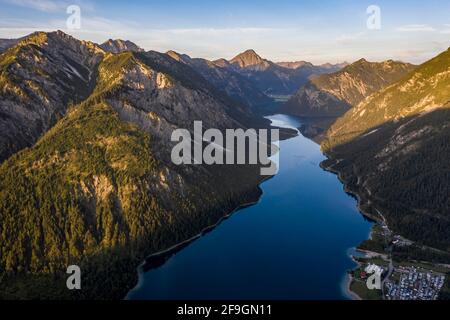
{"x":87,"y":178}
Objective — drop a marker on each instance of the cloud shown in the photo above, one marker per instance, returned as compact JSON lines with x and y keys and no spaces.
{"x":447,"y":30}
{"x":348,"y":38}
{"x":41,"y":5}
{"x":275,"y":43}
{"x":50,"y":6}
{"x":199,"y":42}
{"x":416,"y":28}
{"x":220,"y":31}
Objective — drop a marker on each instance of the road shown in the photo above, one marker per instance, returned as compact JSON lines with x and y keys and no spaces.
{"x":390,"y":271}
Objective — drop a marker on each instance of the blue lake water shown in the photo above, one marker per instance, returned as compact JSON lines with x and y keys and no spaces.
{"x":292,"y":245}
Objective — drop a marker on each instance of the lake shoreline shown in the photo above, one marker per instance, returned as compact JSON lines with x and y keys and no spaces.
{"x":173,"y":249}
{"x":225,"y":217}
{"x":165,"y":254}
{"x":360,"y":200}
{"x":353,"y":193}
{"x":343,"y":292}
{"x":348,"y":291}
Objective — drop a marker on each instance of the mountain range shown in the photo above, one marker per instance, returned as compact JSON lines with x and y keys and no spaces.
{"x":273,"y":78}
{"x":118,"y":46}
{"x":232,"y":83}
{"x":252,"y":80}
{"x":331,"y":95}
{"x":392,"y":149}
{"x":87,"y":177}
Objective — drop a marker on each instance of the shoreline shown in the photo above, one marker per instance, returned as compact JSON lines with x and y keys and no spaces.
{"x":348,"y":291}
{"x":174,"y":249}
{"x":349,"y":278}
{"x":169,"y":252}
{"x":210,"y":227}
{"x":353,"y":193}
{"x":377,"y":220}
{"x":222,"y":219}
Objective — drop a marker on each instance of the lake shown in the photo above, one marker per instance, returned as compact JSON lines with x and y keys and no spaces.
{"x":292,"y":245}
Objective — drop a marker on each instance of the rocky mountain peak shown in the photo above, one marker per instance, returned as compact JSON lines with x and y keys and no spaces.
{"x":362,"y":60}
{"x":178,"y":56}
{"x":118,"y":45}
{"x":247,"y":59}
{"x":37,"y":38}
{"x":337,"y":66}
{"x":223,"y":63}
{"x":295,"y":64}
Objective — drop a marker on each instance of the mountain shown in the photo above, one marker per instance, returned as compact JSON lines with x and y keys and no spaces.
{"x":223,"y":63}
{"x":180,"y":57}
{"x":39,"y":78}
{"x":335,"y":67}
{"x":331,"y":95}
{"x":118,"y":46}
{"x":294,"y":64}
{"x":250,"y":60}
{"x":326,"y":66}
{"x":271,"y":78}
{"x":229,"y":81}
{"x":392,"y":150}
{"x":7,"y":43}
{"x":94,"y":185}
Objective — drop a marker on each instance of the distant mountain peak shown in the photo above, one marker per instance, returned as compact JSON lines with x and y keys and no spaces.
{"x":335,"y":66}
{"x":250,"y":52}
{"x":178,"y":56}
{"x":248,"y":58}
{"x":386,"y":65}
{"x":119,"y":45}
{"x":361,"y":61}
{"x":173,"y":53}
{"x":333,"y":94}
{"x":294,"y":64}
{"x":223,"y":63}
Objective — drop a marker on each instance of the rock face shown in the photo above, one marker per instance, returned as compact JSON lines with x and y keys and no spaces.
{"x":118,"y":46}
{"x":331,"y":95}
{"x":250,"y":60}
{"x":39,"y":78}
{"x":392,"y":149}
{"x":98,"y":188}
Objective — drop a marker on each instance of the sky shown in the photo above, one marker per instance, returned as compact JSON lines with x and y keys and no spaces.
{"x":279,"y":30}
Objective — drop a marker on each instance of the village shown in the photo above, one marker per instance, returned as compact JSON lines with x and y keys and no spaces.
{"x":414,"y":284}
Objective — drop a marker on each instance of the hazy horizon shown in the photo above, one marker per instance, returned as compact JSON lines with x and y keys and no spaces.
{"x":330,"y":32}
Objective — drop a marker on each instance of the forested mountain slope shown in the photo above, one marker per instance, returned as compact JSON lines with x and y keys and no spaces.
{"x":392,"y":150}
{"x":99,"y":189}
